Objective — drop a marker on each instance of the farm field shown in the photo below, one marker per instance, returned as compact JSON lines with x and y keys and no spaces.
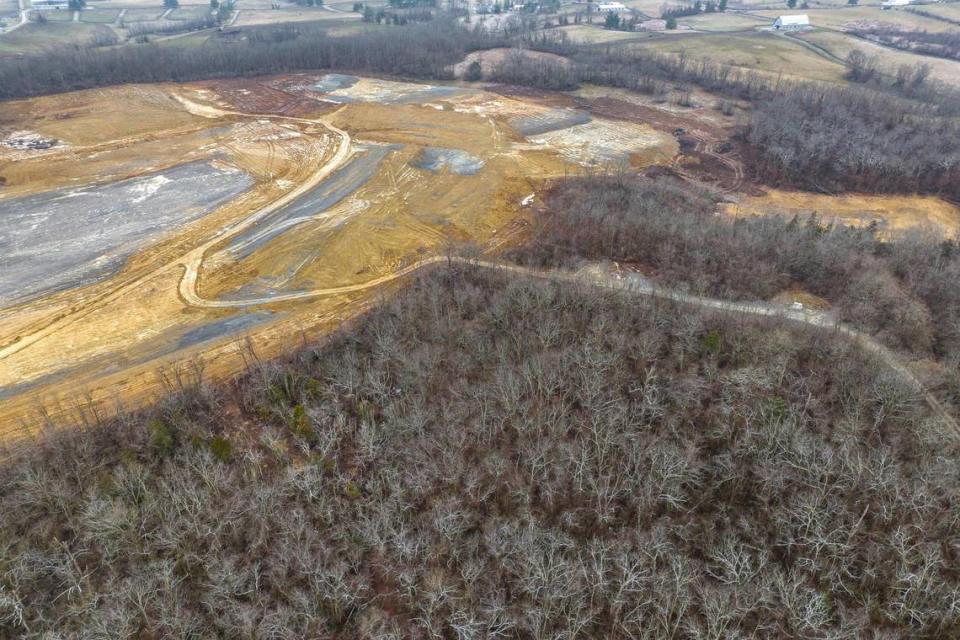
{"x":841,"y":44}
{"x":34,"y":38}
{"x":762,"y":51}
{"x":839,"y":18}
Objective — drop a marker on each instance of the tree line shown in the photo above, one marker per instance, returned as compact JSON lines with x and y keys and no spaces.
{"x":416,"y":51}
{"x":904,"y":289}
{"x":893,"y":134}
{"x":833,"y":139}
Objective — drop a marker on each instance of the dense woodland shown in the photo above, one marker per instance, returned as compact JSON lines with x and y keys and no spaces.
{"x":485,"y":457}
{"x":905,"y":290}
{"x":829,"y":139}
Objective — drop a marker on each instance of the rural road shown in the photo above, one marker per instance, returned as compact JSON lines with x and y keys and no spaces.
{"x":24,"y":16}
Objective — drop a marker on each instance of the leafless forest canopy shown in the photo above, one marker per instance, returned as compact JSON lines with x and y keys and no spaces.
{"x":487,"y":457}
{"x":906,"y":290}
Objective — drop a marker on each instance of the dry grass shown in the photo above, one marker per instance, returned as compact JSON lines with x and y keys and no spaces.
{"x":889,"y":213}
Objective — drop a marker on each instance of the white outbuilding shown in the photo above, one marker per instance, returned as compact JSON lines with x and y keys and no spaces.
{"x":799,"y":22}
{"x":610,"y":7}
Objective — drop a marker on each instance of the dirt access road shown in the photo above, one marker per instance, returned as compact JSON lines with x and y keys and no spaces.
{"x":192,"y":261}
{"x":632,"y":285}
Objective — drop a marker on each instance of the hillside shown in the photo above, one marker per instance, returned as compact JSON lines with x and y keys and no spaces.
{"x":487,"y":456}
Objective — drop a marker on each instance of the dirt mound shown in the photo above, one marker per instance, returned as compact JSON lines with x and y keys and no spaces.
{"x":490,"y":58}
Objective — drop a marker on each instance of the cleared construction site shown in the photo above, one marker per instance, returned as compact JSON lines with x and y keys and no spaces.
{"x":153,"y":227}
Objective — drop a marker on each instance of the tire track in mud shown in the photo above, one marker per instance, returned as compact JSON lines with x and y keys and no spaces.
{"x":703,"y":145}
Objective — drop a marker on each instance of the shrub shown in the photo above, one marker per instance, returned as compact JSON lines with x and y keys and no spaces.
{"x":221,"y":449}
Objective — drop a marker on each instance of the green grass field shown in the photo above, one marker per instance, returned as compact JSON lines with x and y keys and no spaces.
{"x":99,"y":16}
{"x":763,"y":51}
{"x":841,"y":44}
{"x":190,"y":12}
{"x":33,"y":38}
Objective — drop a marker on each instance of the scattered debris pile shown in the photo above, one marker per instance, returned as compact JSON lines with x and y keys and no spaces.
{"x":28,"y":140}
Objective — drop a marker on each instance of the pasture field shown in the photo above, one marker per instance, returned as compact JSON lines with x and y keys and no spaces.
{"x":99,"y":16}
{"x":946,"y":11}
{"x":189,"y":12}
{"x":762,"y":51}
{"x":728,"y":21}
{"x":841,"y":44}
{"x":596,"y":34}
{"x":139,"y":14}
{"x":34,"y":38}
{"x":58,"y":16}
{"x":294,"y":13}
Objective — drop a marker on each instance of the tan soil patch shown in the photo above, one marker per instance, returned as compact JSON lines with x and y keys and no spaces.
{"x":489,"y":59}
{"x":889,"y":213}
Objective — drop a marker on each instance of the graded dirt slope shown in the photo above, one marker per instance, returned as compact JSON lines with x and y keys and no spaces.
{"x":309,"y":183}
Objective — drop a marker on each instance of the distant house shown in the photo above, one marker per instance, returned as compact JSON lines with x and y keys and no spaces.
{"x":610,"y":7}
{"x":890,"y":4}
{"x":50,"y":5}
{"x":653,"y":25}
{"x":792,"y":23}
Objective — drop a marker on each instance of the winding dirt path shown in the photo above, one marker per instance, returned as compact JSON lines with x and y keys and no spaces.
{"x":23,"y":16}
{"x":193,"y":259}
{"x":638,"y":287}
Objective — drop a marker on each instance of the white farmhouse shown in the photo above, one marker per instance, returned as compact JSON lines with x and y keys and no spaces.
{"x":792,"y":23}
{"x":890,"y":4}
{"x":610,"y":7}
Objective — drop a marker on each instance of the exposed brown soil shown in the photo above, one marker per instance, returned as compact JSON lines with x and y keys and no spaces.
{"x":273,"y":96}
